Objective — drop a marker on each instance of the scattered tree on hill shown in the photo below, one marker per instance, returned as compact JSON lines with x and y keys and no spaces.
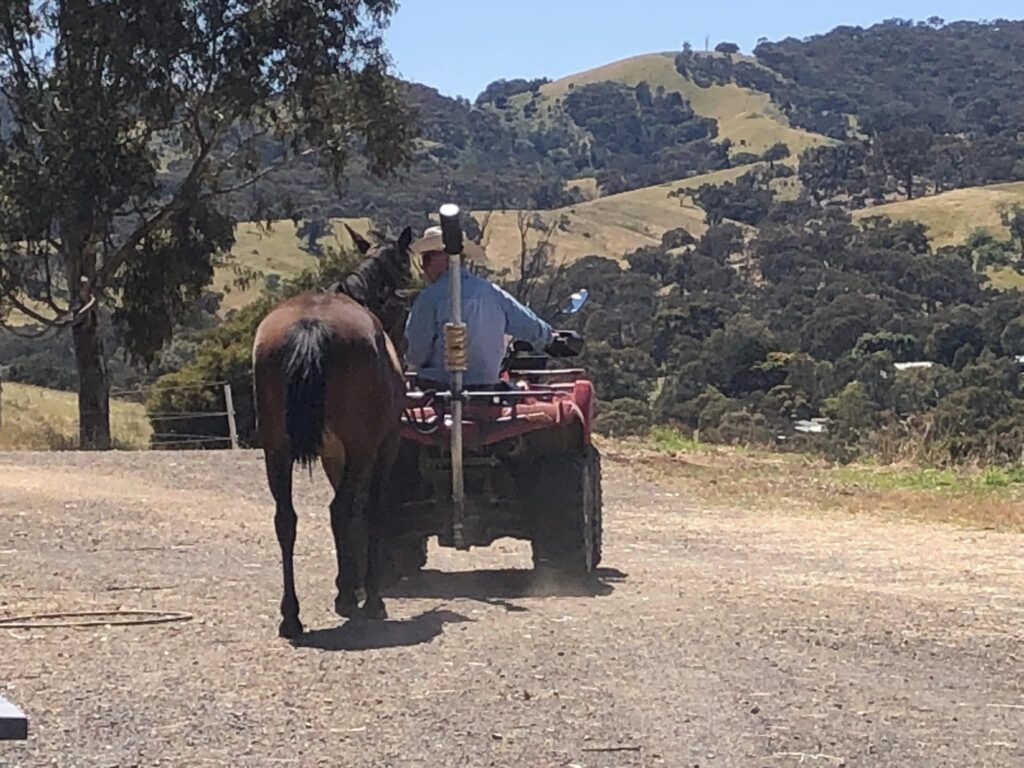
{"x":905,"y":153}
{"x":232,"y":91}
{"x":500,"y":91}
{"x":747,"y":200}
{"x":311,"y":231}
{"x":776,"y":152}
{"x":1013,"y":219}
{"x":642,"y":138}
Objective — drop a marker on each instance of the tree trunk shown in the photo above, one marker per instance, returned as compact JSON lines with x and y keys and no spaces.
{"x":93,"y":385}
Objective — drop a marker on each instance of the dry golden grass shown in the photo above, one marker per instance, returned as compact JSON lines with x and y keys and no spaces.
{"x":39,"y":419}
{"x":274,"y":250}
{"x":952,"y":216}
{"x":795,"y":483}
{"x":1005,"y":279}
{"x":609,"y":226}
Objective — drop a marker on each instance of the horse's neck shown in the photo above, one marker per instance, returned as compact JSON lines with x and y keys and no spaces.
{"x":370,"y":283}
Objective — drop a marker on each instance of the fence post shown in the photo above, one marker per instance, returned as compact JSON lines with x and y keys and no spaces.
{"x":229,"y":403}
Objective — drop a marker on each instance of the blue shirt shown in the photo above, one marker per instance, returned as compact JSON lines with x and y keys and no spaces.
{"x":489,"y":314}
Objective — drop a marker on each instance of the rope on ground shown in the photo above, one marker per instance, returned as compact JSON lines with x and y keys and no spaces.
{"x":87,"y":619}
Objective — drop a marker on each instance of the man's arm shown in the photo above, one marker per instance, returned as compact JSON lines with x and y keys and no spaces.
{"x":420,"y":330}
{"x":521,"y":322}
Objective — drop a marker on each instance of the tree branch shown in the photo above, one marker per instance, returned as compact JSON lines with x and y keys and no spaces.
{"x":255,"y":177}
{"x":49,"y":286}
{"x":116,"y":259}
{"x":31,"y":313}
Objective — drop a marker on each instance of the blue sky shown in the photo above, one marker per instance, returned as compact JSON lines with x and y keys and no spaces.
{"x":459,"y":46}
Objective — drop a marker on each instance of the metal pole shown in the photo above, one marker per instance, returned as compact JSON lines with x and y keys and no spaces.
{"x":229,"y":403}
{"x":451,"y":232}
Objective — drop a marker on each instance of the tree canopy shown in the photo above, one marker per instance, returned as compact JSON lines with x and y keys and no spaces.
{"x":100,"y":98}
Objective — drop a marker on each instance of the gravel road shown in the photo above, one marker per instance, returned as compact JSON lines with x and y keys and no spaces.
{"x":714,"y":636}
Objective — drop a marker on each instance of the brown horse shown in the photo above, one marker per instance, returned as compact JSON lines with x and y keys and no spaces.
{"x":328,"y":383}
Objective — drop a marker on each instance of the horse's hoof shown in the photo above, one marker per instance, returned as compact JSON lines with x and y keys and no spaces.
{"x":375,"y":610}
{"x":346,"y":608}
{"x":290,"y":629}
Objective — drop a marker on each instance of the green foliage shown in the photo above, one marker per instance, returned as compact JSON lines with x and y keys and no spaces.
{"x":640,"y":138}
{"x":929,"y":479}
{"x":776,"y":152}
{"x":500,"y":91}
{"x":671,"y":440}
{"x":224,"y":354}
{"x":625,"y":417}
{"x":224,"y":92}
{"x":747,"y":200}
{"x":742,"y":355}
{"x":852,"y":412}
{"x":955,"y":127}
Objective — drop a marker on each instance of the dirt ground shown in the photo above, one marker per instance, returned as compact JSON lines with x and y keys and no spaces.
{"x":715,"y":635}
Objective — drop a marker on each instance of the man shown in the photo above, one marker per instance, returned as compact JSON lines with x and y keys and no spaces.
{"x":488,"y":312}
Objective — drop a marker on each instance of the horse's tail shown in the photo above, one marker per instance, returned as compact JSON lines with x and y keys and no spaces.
{"x":306,"y":373}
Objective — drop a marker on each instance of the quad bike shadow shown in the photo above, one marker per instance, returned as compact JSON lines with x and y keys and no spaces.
{"x":505,"y":584}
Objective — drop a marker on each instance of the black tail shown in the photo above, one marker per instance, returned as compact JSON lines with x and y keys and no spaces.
{"x":305,"y":371}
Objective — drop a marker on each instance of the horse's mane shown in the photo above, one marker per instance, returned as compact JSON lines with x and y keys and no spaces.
{"x":374,"y":278}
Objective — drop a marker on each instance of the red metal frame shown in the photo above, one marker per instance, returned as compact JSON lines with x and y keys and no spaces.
{"x":484,"y":423}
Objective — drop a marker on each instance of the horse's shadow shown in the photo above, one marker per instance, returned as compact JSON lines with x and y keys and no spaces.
{"x":499,"y":586}
{"x":357,"y":635}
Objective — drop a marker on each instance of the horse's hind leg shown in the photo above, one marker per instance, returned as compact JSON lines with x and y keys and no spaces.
{"x":348,"y":526}
{"x":279,"y":475}
{"x":382,"y":499}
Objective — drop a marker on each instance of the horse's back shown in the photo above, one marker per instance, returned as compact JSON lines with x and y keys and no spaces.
{"x":363,"y":386}
{"x":350,"y":324}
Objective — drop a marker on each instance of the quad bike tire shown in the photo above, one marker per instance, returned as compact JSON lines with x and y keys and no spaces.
{"x":404,"y":557}
{"x":567,"y":529}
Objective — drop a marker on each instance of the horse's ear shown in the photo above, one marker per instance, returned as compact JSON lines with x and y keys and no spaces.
{"x":360,"y":242}
{"x":405,"y":240}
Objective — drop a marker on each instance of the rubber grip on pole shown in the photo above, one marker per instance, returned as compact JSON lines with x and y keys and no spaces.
{"x":451,"y":230}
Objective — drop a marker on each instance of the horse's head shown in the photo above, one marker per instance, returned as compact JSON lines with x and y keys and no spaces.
{"x":381,"y":280}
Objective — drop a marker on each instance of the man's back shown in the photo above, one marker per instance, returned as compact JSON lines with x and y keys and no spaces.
{"x":489,"y":314}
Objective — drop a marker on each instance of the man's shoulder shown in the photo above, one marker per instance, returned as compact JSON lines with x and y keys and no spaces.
{"x":478,"y":285}
{"x":430,"y":292}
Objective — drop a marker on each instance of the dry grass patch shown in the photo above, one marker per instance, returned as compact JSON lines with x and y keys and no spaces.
{"x":990,"y":498}
{"x":41,"y":419}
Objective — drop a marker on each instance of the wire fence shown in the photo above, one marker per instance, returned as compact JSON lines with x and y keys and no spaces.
{"x":143,"y":417}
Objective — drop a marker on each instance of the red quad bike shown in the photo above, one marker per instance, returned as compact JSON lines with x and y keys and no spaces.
{"x":523,"y":462}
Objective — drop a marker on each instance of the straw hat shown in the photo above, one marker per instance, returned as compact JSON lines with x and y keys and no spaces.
{"x":433,"y":241}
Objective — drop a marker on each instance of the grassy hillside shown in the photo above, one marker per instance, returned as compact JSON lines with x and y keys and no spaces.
{"x":611,"y":225}
{"x":617,"y":224}
{"x":608,"y":226}
{"x":276,"y":250}
{"x":39,"y":419}
{"x":614,"y":225}
{"x":746,"y":117}
{"x":952,"y":216}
